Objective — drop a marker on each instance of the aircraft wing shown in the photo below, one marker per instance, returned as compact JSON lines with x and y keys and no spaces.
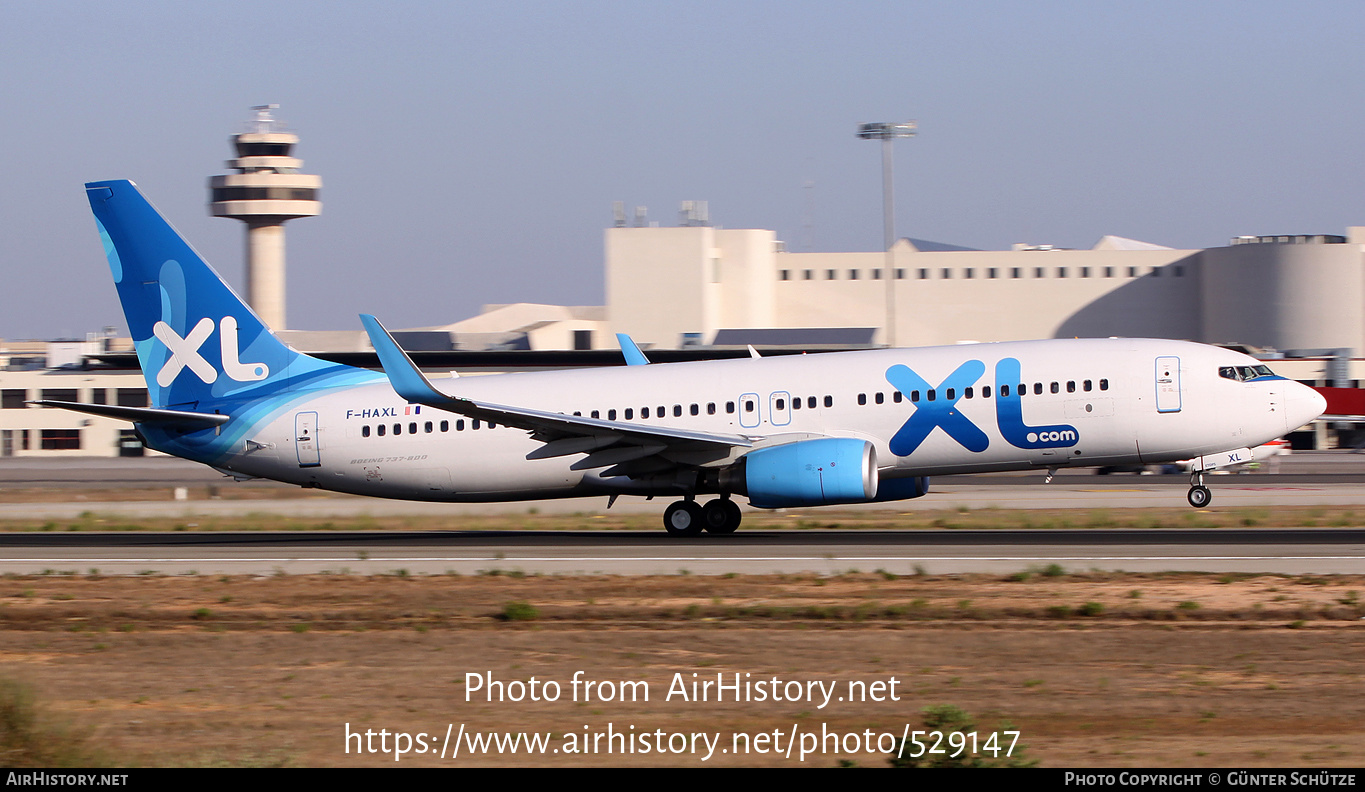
{"x":604,"y":442}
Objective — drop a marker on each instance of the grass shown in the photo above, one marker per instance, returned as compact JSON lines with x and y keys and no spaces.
{"x":29,"y":737}
{"x":520,"y":610}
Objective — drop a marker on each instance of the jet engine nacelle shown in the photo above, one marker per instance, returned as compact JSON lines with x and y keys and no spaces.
{"x":811,"y":473}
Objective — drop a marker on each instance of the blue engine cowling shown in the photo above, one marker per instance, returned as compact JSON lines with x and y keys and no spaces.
{"x":811,"y":473}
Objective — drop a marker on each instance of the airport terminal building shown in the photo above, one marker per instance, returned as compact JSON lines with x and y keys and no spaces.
{"x":673,"y":286}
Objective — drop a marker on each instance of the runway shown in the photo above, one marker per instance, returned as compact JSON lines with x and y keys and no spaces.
{"x":1305,"y":480}
{"x":1284,"y":551}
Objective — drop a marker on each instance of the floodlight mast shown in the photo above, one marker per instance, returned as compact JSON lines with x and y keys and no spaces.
{"x":886,"y":133}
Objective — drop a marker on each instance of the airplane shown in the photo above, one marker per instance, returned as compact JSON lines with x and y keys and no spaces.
{"x":786,"y":431}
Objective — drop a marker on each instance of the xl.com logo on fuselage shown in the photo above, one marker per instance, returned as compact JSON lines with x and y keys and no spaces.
{"x":942,"y":413}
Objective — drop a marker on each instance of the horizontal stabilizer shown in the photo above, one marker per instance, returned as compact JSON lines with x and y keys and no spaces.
{"x":139,"y":414}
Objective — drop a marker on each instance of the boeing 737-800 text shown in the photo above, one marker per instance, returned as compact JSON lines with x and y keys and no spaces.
{"x":810,"y":430}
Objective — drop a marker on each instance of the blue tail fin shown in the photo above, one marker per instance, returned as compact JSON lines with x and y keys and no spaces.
{"x":198,"y":343}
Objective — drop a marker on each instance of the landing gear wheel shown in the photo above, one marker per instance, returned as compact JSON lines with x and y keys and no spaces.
{"x":684,"y":518}
{"x":721,"y":516}
{"x":1199,"y":496}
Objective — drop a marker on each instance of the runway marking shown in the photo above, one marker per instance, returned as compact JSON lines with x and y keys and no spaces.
{"x":509,"y":559}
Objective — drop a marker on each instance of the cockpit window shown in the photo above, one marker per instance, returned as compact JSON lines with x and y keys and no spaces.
{"x":1245,"y":373}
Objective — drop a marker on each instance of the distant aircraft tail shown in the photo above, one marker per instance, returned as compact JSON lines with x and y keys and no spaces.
{"x":198,"y":343}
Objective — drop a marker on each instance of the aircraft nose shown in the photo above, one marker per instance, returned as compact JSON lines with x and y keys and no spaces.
{"x":1302,"y":404}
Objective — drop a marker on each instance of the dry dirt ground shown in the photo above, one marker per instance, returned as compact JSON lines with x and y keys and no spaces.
{"x":1092,"y":669}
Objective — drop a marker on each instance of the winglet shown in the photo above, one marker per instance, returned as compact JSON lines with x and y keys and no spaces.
{"x":634,"y":357}
{"x":408,"y":381}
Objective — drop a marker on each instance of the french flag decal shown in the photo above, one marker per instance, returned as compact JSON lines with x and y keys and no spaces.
{"x":412,"y":409}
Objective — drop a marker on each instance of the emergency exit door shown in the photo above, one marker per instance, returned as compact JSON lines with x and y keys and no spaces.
{"x":306,"y":439}
{"x":1168,"y":384}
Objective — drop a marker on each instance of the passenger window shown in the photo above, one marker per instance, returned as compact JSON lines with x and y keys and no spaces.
{"x":428,"y":427}
{"x":897,"y":397}
{"x":985,"y":391}
{"x":459,"y":425}
{"x":914,"y":396}
{"x":967,"y":393}
{"x":862,"y":398}
{"x":578,"y":413}
{"x":677,"y":411}
{"x":1004,"y":391}
{"x":931,"y":395}
{"x":630,"y":413}
{"x":595,"y":414}
{"x":781,"y":404}
{"x":729,"y":408}
{"x":380,"y":430}
{"x":694,"y":409}
{"x":474,"y":424}
{"x":412,"y":428}
{"x":661,"y":412}
{"x":829,"y":401}
{"x":748,"y":405}
{"x":810,"y":402}
{"x":644,"y":412}
{"x":397,"y":429}
{"x":445,"y":426}
{"x":952,"y":393}
{"x":1037,"y":388}
{"x":492,"y":425}
{"x":1086,"y":386}
{"x":1104,"y":384}
{"x":710,"y":408}
{"x":880,"y":398}
{"x":1055,"y":388}
{"x":796,"y":403}
{"x":365,"y":431}
{"x":1070,"y":386}
{"x":611,"y":416}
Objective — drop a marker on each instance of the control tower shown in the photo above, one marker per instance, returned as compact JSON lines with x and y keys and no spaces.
{"x":266,"y":190}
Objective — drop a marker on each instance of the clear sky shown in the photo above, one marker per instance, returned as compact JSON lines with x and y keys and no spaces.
{"x":470,"y":152}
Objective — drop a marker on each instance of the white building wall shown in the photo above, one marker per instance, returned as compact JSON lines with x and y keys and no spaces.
{"x":98,"y":436}
{"x":660,"y":283}
{"x":1284,"y":295}
{"x":947,"y":297}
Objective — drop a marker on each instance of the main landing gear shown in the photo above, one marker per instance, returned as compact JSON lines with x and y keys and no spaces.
{"x":688,"y":518}
{"x":1199,"y":495}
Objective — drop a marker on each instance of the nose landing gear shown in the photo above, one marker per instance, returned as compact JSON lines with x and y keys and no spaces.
{"x":1199,"y":495}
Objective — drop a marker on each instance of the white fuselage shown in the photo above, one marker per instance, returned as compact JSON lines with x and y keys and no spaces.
{"x":1095,"y":401}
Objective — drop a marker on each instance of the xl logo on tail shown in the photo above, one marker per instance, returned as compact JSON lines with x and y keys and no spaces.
{"x":185,"y":353}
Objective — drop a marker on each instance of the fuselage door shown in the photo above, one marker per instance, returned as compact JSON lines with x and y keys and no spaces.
{"x":749,"y":414}
{"x":779,"y":408}
{"x":1168,"y":384}
{"x":306,"y":439}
